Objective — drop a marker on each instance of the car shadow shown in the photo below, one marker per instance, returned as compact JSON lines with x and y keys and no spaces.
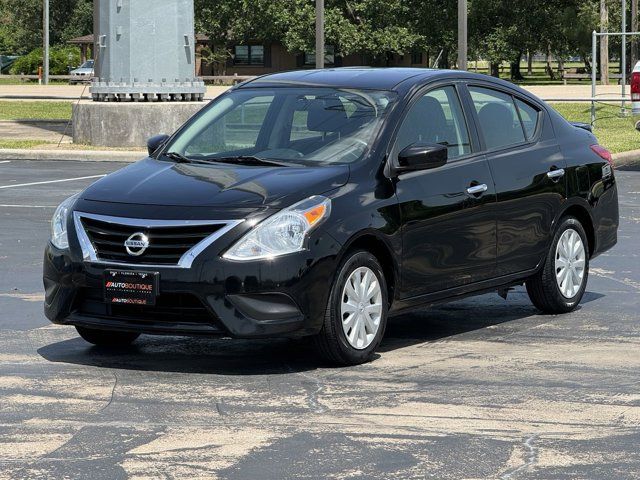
{"x":472,"y":315}
{"x":190,"y":355}
{"x":220,"y":356}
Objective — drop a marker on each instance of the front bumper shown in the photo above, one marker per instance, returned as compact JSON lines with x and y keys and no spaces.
{"x":286,"y":296}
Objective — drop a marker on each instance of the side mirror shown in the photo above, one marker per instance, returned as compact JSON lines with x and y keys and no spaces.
{"x":422,"y":156}
{"x":155,"y":142}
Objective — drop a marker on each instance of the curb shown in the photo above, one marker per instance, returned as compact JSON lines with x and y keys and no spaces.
{"x":623,"y":159}
{"x":627,"y":159}
{"x":72,"y":155}
{"x":34,"y":121}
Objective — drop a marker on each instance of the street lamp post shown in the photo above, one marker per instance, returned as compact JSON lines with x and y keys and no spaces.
{"x":462,"y":34}
{"x":45,"y":41}
{"x":623,"y":56}
{"x":319,"y":33}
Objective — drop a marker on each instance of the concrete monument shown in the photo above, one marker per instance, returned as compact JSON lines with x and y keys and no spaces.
{"x":145,"y":50}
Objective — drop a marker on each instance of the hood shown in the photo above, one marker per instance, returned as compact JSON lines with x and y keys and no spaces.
{"x":81,"y":71}
{"x":155,"y":182}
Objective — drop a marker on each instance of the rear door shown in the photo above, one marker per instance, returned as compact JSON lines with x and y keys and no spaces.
{"x":528,"y":170}
{"x":449,"y":226}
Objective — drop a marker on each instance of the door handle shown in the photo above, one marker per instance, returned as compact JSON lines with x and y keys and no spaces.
{"x":555,"y":174}
{"x":477,"y":189}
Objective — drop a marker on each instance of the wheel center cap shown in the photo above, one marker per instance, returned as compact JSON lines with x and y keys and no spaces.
{"x":361,"y":307}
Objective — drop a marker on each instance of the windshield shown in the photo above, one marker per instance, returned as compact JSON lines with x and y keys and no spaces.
{"x":87,"y":64}
{"x":295,"y":125}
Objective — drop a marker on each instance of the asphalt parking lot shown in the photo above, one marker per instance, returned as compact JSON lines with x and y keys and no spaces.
{"x":480,"y":388}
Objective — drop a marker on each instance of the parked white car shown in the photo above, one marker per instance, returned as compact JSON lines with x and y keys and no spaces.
{"x":82,"y":74}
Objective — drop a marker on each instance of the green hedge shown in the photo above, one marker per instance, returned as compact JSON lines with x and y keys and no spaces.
{"x":60,"y":58}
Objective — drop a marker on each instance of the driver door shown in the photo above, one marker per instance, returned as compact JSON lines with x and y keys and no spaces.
{"x":449,"y":223}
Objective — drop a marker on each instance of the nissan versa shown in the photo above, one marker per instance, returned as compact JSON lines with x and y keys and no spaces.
{"x":318,"y":203}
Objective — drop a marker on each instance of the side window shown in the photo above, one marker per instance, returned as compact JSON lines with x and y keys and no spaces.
{"x":436,"y":118}
{"x":529,"y":116}
{"x":499,"y":121}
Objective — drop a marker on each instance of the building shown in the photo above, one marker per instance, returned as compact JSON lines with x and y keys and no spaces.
{"x":256,"y":58}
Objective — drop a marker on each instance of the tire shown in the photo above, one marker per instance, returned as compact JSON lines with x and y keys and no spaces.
{"x":107,"y":338}
{"x":359,"y":343}
{"x":544,"y":289}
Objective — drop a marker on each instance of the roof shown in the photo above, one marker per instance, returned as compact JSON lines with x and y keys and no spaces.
{"x":372,"y":78}
{"x":355,"y":77}
{"x":200,"y":38}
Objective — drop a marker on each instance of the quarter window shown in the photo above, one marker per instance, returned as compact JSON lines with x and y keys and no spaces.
{"x":529,"y":117}
{"x":499,"y":121}
{"x":436,"y":118}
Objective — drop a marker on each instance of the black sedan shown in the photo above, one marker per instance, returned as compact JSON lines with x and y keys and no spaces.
{"x":318,"y":203}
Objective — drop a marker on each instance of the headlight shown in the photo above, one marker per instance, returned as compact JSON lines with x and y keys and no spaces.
{"x":284,"y":232}
{"x":59,"y":223}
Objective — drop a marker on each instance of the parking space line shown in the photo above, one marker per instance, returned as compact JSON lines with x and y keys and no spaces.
{"x":26,"y":206}
{"x":51,"y":181}
{"x":5,"y":161}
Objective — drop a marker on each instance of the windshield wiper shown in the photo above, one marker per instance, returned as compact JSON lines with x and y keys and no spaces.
{"x":248,"y":160}
{"x":177,"y":157}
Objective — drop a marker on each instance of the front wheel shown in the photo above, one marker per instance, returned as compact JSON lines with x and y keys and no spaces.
{"x":356,"y":314}
{"x":106,"y":338}
{"x":558,"y":287}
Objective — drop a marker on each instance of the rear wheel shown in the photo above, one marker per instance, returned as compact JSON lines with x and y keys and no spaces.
{"x":356,"y":314}
{"x":107,"y":338}
{"x":558,"y":287}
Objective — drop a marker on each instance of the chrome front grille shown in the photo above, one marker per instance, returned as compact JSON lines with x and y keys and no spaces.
{"x":170,"y":242}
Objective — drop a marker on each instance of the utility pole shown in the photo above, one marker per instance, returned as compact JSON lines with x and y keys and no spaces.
{"x":623,"y":56}
{"x":634,"y":28}
{"x":319,"y":33}
{"x":45,"y":41}
{"x":462,"y":34}
{"x":604,"y":43}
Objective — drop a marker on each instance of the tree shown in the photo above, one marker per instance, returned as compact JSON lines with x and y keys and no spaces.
{"x":21,"y":23}
{"x":376,"y":28}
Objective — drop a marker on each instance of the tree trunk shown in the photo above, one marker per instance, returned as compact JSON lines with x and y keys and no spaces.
{"x":585,"y":60}
{"x":494,"y":68}
{"x":604,"y":43}
{"x":549,"y":68}
{"x":515,"y":68}
{"x":529,"y":63}
{"x":444,"y":59}
{"x":634,"y":28}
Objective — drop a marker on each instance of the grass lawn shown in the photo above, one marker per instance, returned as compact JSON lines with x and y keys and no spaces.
{"x":614,"y":132}
{"x":12,"y":110}
{"x":6,"y":143}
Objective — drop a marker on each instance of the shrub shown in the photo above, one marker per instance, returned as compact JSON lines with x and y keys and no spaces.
{"x":60,"y":59}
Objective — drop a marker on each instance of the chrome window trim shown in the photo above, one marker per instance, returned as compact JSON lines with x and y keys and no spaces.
{"x":89,"y":253}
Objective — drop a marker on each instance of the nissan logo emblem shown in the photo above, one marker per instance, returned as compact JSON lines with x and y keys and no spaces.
{"x":136,"y":244}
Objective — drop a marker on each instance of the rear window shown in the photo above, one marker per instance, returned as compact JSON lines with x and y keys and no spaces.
{"x":498,"y":117}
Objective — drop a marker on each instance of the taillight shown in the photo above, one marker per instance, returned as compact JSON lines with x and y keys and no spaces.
{"x":603,"y":153}
{"x":635,"y":86}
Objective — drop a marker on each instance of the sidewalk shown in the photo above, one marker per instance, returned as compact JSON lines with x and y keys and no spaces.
{"x":63,"y":153}
{"x":45,"y":130}
{"x":629,"y":159}
{"x":73,"y":92}
{"x":68,"y":92}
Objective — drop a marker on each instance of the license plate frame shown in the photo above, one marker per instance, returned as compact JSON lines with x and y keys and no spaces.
{"x":131,"y":287}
